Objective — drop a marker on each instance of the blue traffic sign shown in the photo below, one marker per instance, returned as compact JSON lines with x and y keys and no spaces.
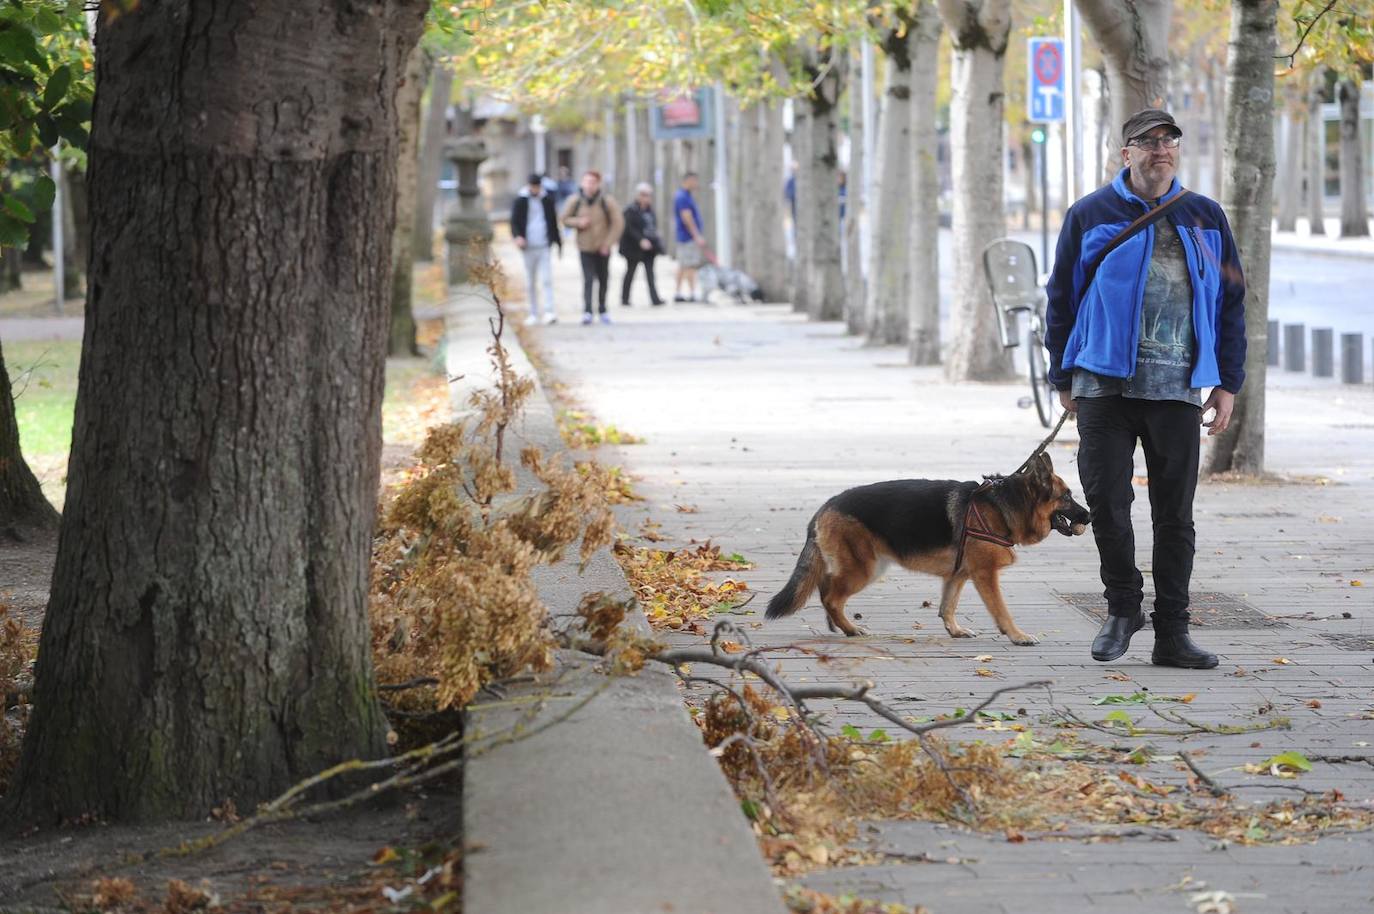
{"x":1045,"y":91}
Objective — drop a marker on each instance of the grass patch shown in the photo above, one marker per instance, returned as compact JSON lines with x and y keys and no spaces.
{"x":43,"y":375}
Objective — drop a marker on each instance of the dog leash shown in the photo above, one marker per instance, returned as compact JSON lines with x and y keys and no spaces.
{"x":1044,"y":444}
{"x":971,"y":513}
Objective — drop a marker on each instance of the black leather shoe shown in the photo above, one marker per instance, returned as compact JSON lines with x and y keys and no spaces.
{"x":1179,"y":650}
{"x":1115,"y":635}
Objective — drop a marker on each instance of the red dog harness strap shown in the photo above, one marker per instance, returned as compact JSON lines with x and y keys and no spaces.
{"x":981,"y":532}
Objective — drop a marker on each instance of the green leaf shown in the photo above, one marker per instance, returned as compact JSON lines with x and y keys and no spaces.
{"x":1294,"y":760}
{"x":1119,"y":717}
{"x":56,"y":89}
{"x":47,"y":21}
{"x":878,"y":736}
{"x":13,"y":233}
{"x":18,"y":209}
{"x":750,"y":809}
{"x":48,"y":132}
{"x":44,"y":191}
{"x":1137,"y":698}
{"x":852,"y":732}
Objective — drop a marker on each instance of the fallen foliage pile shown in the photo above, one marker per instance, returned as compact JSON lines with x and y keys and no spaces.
{"x":801,"y":900}
{"x":672,"y":586}
{"x":18,"y":645}
{"x":804,"y":790}
{"x":452,"y":597}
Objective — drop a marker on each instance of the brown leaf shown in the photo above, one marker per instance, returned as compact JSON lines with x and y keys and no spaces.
{"x":1314,"y":703}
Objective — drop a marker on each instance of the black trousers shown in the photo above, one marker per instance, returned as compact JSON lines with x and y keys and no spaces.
{"x":1108,"y":428}
{"x":631,"y":264}
{"x":596,"y":268}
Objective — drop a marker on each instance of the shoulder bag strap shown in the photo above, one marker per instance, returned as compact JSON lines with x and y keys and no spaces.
{"x":1147,"y":219}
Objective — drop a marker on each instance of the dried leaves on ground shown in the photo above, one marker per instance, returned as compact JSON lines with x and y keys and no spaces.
{"x":672,"y":585}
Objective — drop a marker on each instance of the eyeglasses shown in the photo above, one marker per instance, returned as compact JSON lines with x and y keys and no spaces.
{"x":1155,"y":142}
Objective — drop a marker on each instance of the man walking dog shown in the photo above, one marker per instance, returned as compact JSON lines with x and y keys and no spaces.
{"x":1146,"y":307}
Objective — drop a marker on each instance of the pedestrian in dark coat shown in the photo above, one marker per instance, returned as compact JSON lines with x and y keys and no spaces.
{"x":640,"y":243}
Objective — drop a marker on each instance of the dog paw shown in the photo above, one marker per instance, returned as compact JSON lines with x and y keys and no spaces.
{"x":1023,"y":639}
{"x":858,"y":632}
{"x":962,"y":633}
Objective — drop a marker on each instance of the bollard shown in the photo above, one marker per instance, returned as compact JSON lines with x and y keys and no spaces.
{"x":1294,"y":348}
{"x":1352,"y":358}
{"x":1272,"y":356}
{"x":1323,"y":355}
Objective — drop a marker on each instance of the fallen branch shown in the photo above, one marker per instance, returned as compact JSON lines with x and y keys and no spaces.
{"x":1212,"y":786}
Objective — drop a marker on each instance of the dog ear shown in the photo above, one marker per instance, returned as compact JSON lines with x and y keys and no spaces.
{"x":1045,"y":464}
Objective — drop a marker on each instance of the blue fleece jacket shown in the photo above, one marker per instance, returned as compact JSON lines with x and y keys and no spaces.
{"x":1098,"y":328}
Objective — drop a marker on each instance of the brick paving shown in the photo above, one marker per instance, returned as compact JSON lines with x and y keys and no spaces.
{"x":753,"y":416}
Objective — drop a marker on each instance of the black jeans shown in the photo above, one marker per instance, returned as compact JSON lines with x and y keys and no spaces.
{"x":1108,"y":428}
{"x":596,"y":268}
{"x":631,"y":264}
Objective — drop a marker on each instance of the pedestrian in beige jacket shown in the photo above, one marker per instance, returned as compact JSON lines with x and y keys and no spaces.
{"x":598,"y":221}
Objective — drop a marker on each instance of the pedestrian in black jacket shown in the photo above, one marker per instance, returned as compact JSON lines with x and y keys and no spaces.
{"x":640,"y":243}
{"x":535,"y":230}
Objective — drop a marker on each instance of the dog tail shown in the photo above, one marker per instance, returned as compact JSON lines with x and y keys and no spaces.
{"x":805,"y":578}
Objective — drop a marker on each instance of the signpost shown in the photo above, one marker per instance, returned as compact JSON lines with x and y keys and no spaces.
{"x":1045,"y":92}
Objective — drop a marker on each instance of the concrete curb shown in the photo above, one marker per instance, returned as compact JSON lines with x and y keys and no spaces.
{"x":618,"y":808}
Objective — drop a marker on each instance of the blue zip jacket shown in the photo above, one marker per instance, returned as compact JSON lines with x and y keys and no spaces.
{"x":1099,"y":328}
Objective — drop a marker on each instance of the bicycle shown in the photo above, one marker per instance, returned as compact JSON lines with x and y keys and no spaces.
{"x":1011,"y":273}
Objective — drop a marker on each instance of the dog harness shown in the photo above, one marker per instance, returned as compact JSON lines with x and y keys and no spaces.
{"x":980,"y":532}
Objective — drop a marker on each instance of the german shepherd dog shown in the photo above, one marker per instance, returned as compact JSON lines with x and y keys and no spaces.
{"x":956,"y":530}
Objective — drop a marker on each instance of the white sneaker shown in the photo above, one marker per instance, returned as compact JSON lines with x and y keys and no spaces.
{"x":531,"y":320}
{"x":550,"y":318}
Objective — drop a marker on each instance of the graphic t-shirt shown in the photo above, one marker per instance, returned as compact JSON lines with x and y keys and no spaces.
{"x":1164,"y":358}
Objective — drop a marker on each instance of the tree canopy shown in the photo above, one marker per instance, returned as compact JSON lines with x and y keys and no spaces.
{"x":46,"y":87}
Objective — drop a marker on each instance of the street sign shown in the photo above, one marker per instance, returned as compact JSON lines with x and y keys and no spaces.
{"x":1045,"y":90}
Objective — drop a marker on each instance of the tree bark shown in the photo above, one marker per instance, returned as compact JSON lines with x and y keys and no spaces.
{"x":1290,"y":190}
{"x":401,"y":339}
{"x":767,"y":248}
{"x":22,"y":503}
{"x":1316,"y":165}
{"x":803,"y":225}
{"x":923,"y":342}
{"x":978,"y":31}
{"x":1216,"y":101}
{"x":888,"y":303}
{"x":431,"y":151}
{"x":1354,"y":210}
{"x":820,"y":205}
{"x":1247,"y":197}
{"x":1134,"y":38}
{"x":855,"y":269}
{"x":207,"y":635}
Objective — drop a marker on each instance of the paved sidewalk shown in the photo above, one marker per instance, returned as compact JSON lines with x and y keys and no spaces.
{"x":754,"y":416}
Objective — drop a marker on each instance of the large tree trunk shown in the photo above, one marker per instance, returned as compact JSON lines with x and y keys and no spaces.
{"x":1216,"y":101}
{"x":888,"y":302}
{"x":924,"y":321}
{"x":855,"y":268}
{"x":401,"y":339}
{"x":22,"y":503}
{"x":1292,"y":128}
{"x":978,"y":31}
{"x":803,"y":225}
{"x":431,"y":151}
{"x":1134,"y":38}
{"x":1248,"y":198}
{"x":1316,"y":166}
{"x":820,"y":260}
{"x":767,"y":247}
{"x":207,"y":633}
{"x":1354,"y":210}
